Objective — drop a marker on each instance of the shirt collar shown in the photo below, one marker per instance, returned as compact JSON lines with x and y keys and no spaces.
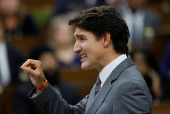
{"x":106,"y":71}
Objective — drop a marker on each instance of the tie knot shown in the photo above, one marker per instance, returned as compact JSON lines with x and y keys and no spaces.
{"x":98,"y":80}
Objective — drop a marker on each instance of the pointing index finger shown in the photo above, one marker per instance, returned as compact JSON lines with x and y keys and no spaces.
{"x":30,"y":63}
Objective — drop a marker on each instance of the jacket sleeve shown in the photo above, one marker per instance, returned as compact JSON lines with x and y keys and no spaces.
{"x":52,"y":103}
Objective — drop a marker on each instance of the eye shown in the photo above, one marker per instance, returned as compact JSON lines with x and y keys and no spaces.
{"x":81,"y":38}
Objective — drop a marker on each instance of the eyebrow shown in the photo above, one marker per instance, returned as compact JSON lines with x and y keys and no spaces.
{"x":78,"y":35}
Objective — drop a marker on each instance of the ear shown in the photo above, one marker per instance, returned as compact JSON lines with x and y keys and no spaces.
{"x":106,"y":39}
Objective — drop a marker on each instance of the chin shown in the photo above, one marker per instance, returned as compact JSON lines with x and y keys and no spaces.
{"x":86,"y":67}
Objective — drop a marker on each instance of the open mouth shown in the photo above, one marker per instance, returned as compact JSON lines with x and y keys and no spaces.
{"x":83,"y":56}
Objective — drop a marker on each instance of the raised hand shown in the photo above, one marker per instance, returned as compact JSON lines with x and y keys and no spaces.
{"x":34,"y":69}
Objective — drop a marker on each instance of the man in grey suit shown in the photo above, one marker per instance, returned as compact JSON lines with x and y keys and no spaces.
{"x":101,"y":41}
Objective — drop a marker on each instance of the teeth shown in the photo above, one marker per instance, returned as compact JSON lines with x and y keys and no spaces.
{"x":83,"y":56}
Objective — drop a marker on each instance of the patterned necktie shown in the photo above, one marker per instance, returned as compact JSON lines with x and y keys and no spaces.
{"x":98,"y":85}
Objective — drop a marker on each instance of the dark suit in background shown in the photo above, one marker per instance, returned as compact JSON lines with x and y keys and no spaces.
{"x":164,"y":69}
{"x":15,"y":60}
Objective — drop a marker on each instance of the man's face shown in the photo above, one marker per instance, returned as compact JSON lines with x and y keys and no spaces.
{"x":89,"y":48}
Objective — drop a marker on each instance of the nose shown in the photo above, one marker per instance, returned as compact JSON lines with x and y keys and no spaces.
{"x":77,"y":47}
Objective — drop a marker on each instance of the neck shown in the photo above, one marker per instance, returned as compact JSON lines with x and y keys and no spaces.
{"x":109,"y":58}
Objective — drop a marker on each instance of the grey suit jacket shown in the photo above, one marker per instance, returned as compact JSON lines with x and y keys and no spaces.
{"x":124,"y":92}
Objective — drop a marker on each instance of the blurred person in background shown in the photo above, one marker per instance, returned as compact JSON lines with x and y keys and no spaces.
{"x":18,"y":22}
{"x":65,"y":6}
{"x":143,"y":23}
{"x":60,"y":38}
{"x":22,"y":104}
{"x":147,"y":65}
{"x":10,"y":61}
{"x":165,"y":72}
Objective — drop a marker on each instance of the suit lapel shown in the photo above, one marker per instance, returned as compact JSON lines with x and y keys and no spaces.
{"x":91,"y":98}
{"x":95,"y":102}
{"x":99,"y":98}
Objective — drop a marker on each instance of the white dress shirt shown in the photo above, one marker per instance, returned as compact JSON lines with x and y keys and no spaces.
{"x":106,"y":71}
{"x":4,"y":65}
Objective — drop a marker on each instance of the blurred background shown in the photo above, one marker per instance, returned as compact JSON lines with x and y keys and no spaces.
{"x":38,"y":29}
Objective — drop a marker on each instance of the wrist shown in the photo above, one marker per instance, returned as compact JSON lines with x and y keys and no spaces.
{"x":41,"y":88}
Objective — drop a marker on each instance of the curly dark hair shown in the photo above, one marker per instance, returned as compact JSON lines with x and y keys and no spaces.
{"x":104,"y":19}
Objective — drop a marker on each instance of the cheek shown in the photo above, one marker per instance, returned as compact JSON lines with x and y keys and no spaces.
{"x":98,"y":52}
{"x":96,"y":55}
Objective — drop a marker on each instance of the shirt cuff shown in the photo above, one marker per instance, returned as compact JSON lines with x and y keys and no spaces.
{"x":37,"y":92}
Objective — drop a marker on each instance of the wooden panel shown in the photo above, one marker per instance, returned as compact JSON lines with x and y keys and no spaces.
{"x":162,"y":108}
{"x":6,"y":100}
{"x":39,"y":4}
{"x":39,"y":1}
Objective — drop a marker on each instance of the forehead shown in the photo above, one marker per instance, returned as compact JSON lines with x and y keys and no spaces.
{"x":82,"y":32}
{"x":79,"y":31}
